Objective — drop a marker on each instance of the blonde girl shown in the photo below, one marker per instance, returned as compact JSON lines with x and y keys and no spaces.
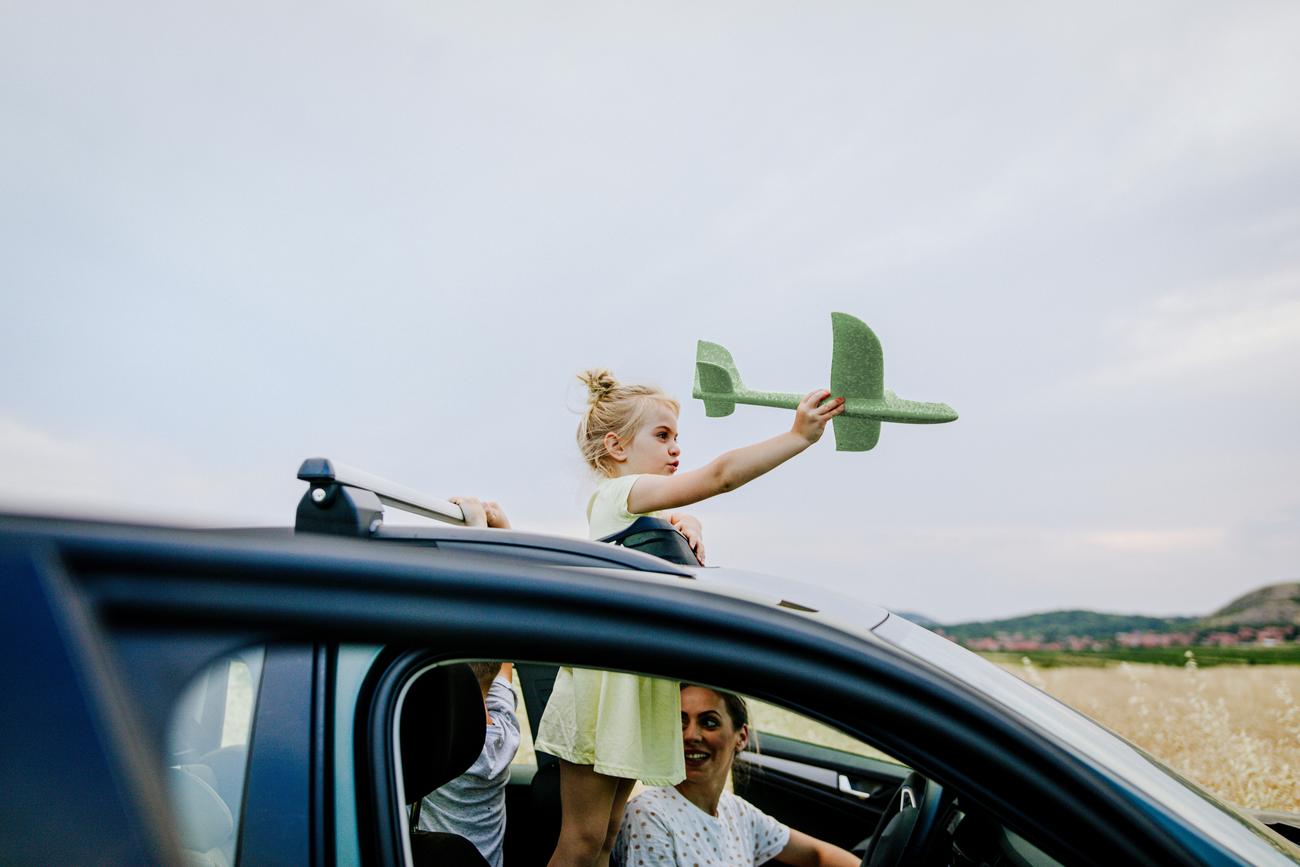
{"x":610,"y":729}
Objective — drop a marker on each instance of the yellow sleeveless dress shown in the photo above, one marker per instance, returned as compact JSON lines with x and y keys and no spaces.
{"x":623,"y":725}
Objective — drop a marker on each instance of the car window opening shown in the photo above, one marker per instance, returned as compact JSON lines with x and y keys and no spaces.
{"x":208,"y":747}
{"x":784,"y":749}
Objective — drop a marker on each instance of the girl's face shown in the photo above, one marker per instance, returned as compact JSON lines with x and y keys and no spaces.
{"x":709,"y":737}
{"x":653,"y":448}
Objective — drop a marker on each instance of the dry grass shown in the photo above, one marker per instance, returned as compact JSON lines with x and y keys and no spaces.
{"x":1234,"y":730}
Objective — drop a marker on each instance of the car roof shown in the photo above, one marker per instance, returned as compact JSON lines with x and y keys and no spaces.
{"x":804,"y":598}
{"x":853,"y":614}
{"x":369,"y":495}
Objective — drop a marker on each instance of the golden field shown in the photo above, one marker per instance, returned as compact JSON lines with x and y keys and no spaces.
{"x":1234,"y":730}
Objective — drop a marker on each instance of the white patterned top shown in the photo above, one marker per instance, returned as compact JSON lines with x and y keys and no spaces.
{"x":661,"y":828}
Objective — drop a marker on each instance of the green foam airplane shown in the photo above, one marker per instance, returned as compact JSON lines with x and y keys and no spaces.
{"x":857,"y":375}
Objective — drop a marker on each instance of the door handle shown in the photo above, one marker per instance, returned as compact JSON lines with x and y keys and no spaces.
{"x":847,"y":788}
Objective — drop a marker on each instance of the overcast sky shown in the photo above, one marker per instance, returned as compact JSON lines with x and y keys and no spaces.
{"x":236,"y":235}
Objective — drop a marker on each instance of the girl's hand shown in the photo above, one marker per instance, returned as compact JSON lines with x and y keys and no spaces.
{"x":689,"y":527}
{"x":472,"y":509}
{"x":480,"y":514}
{"x":810,"y":419}
{"x":496,"y":516}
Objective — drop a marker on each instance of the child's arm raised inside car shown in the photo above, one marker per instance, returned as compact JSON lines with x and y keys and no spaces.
{"x":732,"y":469}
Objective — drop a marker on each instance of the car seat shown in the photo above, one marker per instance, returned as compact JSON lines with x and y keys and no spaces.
{"x":441,"y":735}
{"x":228,"y":765}
{"x":544,"y":810}
{"x":545,"y":813}
{"x":203,"y":821}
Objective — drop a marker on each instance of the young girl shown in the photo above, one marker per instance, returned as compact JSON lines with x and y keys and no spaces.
{"x":610,"y":729}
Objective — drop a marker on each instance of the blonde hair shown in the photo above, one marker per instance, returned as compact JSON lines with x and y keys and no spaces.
{"x":613,"y":408}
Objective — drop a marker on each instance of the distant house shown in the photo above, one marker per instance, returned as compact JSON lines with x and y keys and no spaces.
{"x":1270,"y":636}
{"x":1148,"y":638}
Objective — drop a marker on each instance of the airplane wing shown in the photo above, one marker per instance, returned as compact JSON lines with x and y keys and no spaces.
{"x":857,"y":371}
{"x":895,"y":408}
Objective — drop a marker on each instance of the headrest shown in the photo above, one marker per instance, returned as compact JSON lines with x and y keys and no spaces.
{"x":202,"y":818}
{"x":442,"y":728}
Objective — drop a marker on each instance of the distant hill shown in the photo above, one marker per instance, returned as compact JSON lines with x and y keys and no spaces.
{"x":1275,"y":605}
{"x":1059,"y":625}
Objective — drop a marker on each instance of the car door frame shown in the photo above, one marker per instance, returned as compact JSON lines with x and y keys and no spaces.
{"x":211,"y":592}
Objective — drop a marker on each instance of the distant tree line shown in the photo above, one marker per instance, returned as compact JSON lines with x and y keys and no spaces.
{"x":1060,"y":625}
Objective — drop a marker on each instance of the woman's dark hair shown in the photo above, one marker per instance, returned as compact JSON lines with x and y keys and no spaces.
{"x":736,"y":708}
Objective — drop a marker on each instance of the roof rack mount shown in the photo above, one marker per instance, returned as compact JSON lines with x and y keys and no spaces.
{"x":326,"y":477}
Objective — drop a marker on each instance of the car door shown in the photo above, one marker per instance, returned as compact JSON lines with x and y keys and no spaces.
{"x":113,"y":623}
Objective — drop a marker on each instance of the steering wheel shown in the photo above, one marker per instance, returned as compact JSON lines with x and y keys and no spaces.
{"x":906,"y":824}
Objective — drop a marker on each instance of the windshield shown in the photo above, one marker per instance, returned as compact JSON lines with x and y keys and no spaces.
{"x":1099,"y":747}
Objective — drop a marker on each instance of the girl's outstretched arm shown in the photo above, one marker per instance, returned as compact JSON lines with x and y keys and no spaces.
{"x":732,"y":469}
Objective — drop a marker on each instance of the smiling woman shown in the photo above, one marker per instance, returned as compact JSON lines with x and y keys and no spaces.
{"x":698,"y":821}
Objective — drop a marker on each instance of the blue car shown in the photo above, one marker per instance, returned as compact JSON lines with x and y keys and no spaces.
{"x":285,"y":696}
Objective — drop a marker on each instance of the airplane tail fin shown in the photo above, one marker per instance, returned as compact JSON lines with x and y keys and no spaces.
{"x":716,"y":378}
{"x":855,"y":434}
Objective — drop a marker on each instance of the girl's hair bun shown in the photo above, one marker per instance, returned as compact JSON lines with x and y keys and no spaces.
{"x":599,"y":382}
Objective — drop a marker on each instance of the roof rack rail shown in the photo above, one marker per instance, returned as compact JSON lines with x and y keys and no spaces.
{"x":344,"y":501}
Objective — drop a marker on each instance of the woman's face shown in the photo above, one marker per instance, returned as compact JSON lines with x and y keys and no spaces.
{"x":708,"y":736}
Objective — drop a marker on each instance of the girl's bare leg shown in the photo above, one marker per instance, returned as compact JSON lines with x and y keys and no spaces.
{"x":615,"y":820}
{"x":587,"y":801}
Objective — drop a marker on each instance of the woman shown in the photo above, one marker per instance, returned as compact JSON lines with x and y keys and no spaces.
{"x":698,"y":821}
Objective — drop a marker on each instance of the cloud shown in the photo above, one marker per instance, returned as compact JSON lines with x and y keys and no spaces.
{"x":1157,"y":541}
{"x":977,"y":570}
{"x":409,"y":280}
{"x":44,"y":472}
{"x":23,"y":449}
{"x":1184,"y":335}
